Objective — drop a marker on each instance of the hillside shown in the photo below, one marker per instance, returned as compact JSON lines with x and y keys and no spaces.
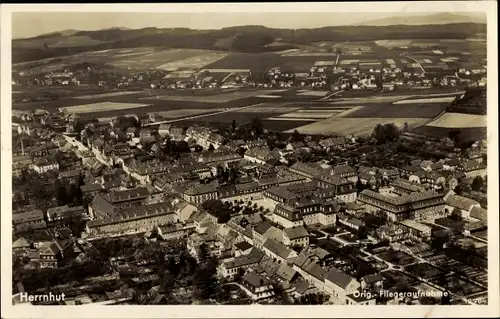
{"x":245,"y":39}
{"x":472,"y":102}
{"x":434,"y":19}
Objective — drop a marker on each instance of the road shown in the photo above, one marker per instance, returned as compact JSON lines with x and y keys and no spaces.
{"x":414,"y":60}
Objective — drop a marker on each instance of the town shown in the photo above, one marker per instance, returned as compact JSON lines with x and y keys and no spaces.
{"x":244,"y":165}
{"x":118,"y":212}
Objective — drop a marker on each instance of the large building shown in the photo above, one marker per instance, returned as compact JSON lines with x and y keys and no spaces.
{"x":308,"y":211}
{"x":133,"y":220}
{"x":417,"y":205}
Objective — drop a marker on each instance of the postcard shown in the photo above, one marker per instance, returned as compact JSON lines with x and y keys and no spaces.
{"x":250,"y":160}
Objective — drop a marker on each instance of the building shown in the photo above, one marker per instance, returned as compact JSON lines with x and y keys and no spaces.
{"x":43,"y":165}
{"x":345,"y":171}
{"x":133,"y":219}
{"x":198,"y":194}
{"x":64,"y":215}
{"x":459,"y":203}
{"x":309,"y":211}
{"x":28,"y":221}
{"x":417,"y":230}
{"x":393,"y":232}
{"x":263,"y":231}
{"x":417,"y":205}
{"x":340,"y":285}
{"x":296,"y":236}
{"x":231,"y":268}
{"x":257,"y":286}
{"x":277,"y":251}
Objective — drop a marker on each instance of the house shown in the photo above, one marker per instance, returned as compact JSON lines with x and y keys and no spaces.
{"x":417,"y":230}
{"x":43,"y":165}
{"x":277,"y":251}
{"x":263,"y":231}
{"x":296,"y":236}
{"x":202,"y":221}
{"x":359,"y":299}
{"x":64,"y":215}
{"x":21,"y":247}
{"x":50,"y":254}
{"x":257,"y":286}
{"x":345,"y":171}
{"x":473,"y":169}
{"x":392,"y":232}
{"x":350,"y":221}
{"x":230,"y":268}
{"x":199,"y":194}
{"x":28,"y":221}
{"x":461,"y":204}
{"x":242,"y":248}
{"x":340,"y":285}
{"x":296,"y":146}
{"x":71,"y":176}
{"x":371,"y":281}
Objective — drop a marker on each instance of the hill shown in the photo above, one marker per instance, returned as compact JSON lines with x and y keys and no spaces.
{"x":434,"y":19}
{"x":245,"y":39}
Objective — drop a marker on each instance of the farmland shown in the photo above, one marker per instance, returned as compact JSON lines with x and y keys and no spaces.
{"x":356,"y":126}
{"x":459,"y":120}
{"x":399,"y":111}
{"x":100,"y":107}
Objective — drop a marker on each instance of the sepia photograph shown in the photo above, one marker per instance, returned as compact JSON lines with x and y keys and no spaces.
{"x":248,"y":155}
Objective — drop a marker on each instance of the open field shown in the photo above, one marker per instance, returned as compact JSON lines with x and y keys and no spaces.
{"x":195,"y":62}
{"x":356,"y":126}
{"x":220,"y":98}
{"x":310,"y":114}
{"x":172,"y":114}
{"x":471,"y":133}
{"x":312,"y":93}
{"x":99,"y":107}
{"x":398,"y":111}
{"x":430,"y":100}
{"x":104,"y":95}
{"x":459,"y":120}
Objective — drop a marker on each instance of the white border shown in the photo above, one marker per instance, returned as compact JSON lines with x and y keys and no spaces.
{"x":492,"y":310}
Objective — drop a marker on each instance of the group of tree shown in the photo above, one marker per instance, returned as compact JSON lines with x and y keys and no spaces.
{"x":68,"y":193}
{"x":226,"y":175}
{"x":219,"y":209}
{"x":384,"y":133}
{"x":312,"y":299}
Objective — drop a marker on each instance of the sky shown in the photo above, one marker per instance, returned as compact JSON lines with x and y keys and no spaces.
{"x":29,"y":24}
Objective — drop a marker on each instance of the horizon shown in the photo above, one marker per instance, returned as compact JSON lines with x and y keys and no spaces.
{"x":29,"y":24}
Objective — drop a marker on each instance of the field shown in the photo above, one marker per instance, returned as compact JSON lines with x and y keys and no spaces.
{"x":399,"y":111}
{"x":310,"y":114}
{"x":216,"y":98}
{"x":105,"y":95}
{"x":99,"y":107}
{"x":356,"y":126}
{"x":459,"y":120}
{"x":173,"y":114}
{"x":447,"y":99}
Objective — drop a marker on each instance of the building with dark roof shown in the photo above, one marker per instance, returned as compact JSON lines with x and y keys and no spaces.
{"x":296,"y":236}
{"x":28,"y":221}
{"x":132,"y":220}
{"x":257,"y":286}
{"x":416,"y":205}
{"x":339,"y":284}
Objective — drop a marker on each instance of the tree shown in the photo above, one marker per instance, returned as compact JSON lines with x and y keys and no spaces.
{"x":477,"y":183}
{"x":233,"y":125}
{"x":295,"y":137}
{"x":211,"y":147}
